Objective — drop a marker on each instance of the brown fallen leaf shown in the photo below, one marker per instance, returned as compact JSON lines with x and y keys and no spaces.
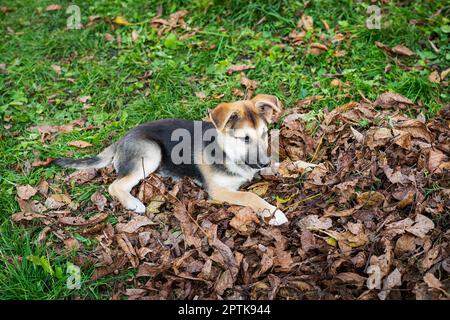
{"x":392,"y":99}
{"x":53,"y":7}
{"x":225,"y":281}
{"x":282,"y":261}
{"x":250,"y":85}
{"x":5,"y":9}
{"x":377,"y":137}
{"x":134,"y":224}
{"x":351,"y":278}
{"x":434,"y":77}
{"x":99,"y":201}
{"x":316,"y":48}
{"x":237,"y":93}
{"x":134,"y":36}
{"x":305,"y":23}
{"x":56,"y":68}
{"x":238,"y":68}
{"x":109,"y":37}
{"x":432,"y":281}
{"x":42,"y":163}
{"x":43,"y":187}
{"x":313,"y":222}
{"x":416,"y":128}
{"x":406,"y":243}
{"x":402,"y":50}
{"x":79,"y":144}
{"x":422,"y":225}
{"x":435,"y":158}
{"x":336,"y":83}
{"x":43,"y":234}
{"x":200,"y":95}
{"x":331,"y":212}
{"x":407,"y":200}
{"x":25,"y":192}
{"x":297,"y":37}
{"x":27,"y":216}
{"x":244,"y":221}
{"x":430,"y":258}
{"x":84,"y":99}
{"x":266,"y":262}
{"x":82,"y":176}
{"x":370,"y":198}
{"x":72,"y":244}
{"x":394,"y":279}
{"x":80,"y":221}
{"x":259,"y":188}
{"x":396,"y":176}
{"x":444,"y":74}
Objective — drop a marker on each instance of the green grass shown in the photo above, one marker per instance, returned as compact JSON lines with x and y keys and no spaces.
{"x":110,"y":72}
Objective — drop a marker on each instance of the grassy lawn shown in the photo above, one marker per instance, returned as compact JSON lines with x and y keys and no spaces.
{"x":133,"y":75}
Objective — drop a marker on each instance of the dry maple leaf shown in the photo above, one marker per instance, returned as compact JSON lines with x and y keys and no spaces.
{"x":416,"y":128}
{"x":351,"y":278}
{"x":42,"y":163}
{"x":200,"y":95}
{"x":370,"y":198}
{"x":305,"y":22}
{"x":238,"y":68}
{"x":225,"y":281}
{"x":402,"y":50}
{"x":80,"y":221}
{"x":99,"y":201}
{"x":26,"y":192}
{"x":422,"y":225}
{"x":250,"y":85}
{"x":82,"y":176}
{"x":406,"y":243}
{"x":244,"y":220}
{"x":434,"y":77}
{"x":84,"y":99}
{"x":394,"y":279}
{"x":56,"y":68}
{"x":313,"y":222}
{"x":134,"y":224}
{"x":79,"y":144}
{"x":53,"y":7}
{"x":109,"y":37}
{"x":392,"y":99}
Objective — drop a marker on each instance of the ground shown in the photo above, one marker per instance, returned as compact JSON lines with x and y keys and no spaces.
{"x":93,"y":84}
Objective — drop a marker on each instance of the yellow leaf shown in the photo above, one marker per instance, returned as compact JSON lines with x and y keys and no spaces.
{"x":121,"y":21}
{"x":332,"y":242}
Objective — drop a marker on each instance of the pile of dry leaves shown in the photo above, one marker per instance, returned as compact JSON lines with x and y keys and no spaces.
{"x":369,"y":221}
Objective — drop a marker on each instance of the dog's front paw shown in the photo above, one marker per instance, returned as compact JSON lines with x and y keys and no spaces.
{"x":136,"y":206}
{"x":275,"y":216}
{"x":278,"y":219}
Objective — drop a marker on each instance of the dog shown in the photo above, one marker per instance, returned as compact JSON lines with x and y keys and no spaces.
{"x":220,"y":155}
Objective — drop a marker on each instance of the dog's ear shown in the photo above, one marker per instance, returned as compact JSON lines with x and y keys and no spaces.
{"x":223,"y":116}
{"x":268,"y":106}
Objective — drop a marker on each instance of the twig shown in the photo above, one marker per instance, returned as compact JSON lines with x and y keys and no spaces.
{"x":317,"y":148}
{"x":302,"y":200}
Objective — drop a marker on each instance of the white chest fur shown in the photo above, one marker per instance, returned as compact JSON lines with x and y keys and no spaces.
{"x":233,"y":181}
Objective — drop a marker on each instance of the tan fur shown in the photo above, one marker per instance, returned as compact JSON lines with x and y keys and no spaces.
{"x":221,"y":185}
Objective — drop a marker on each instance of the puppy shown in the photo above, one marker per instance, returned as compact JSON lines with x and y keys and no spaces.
{"x":220,"y":155}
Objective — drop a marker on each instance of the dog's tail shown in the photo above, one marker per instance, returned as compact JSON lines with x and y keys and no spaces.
{"x":101,"y":160}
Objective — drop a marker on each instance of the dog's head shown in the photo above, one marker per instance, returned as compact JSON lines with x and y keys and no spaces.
{"x":243,"y":128}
